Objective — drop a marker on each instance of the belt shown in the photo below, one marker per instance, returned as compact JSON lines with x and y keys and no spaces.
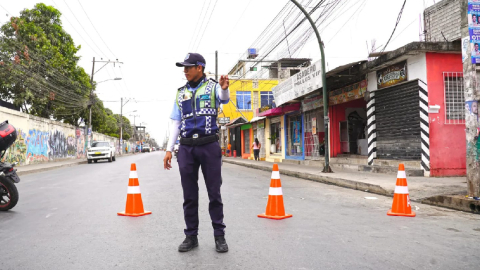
{"x":199,"y":141}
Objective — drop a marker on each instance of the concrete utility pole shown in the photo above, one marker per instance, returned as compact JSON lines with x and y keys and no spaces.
{"x":325,"y":92}
{"x":471,"y":120}
{"x":90,"y":104}
{"x":91,"y":93}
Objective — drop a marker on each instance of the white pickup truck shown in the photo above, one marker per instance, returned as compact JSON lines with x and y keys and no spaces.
{"x":101,"y":150}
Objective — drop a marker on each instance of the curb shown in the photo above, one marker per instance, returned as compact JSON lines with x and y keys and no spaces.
{"x":376,"y":189}
{"x":454,"y":202}
{"x":20,"y":173}
{"x":80,"y":162}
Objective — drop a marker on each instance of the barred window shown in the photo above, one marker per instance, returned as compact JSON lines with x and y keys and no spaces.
{"x":454,"y":98}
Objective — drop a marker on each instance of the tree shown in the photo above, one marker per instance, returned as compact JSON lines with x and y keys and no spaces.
{"x":127,"y":128}
{"x":39,"y":69}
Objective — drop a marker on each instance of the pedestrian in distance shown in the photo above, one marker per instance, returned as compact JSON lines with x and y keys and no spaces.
{"x":256,"y":149}
{"x":194,"y":117}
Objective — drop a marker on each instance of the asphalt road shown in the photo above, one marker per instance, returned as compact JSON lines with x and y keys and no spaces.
{"x":67,"y":219}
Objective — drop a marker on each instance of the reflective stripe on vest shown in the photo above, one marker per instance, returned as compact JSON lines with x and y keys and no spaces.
{"x":202,"y":107}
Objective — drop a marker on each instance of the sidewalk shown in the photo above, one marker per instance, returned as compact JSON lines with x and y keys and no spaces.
{"x":420,"y":188}
{"x":47,"y":166}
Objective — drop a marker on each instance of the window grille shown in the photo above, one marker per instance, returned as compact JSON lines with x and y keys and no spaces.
{"x":454,"y":98}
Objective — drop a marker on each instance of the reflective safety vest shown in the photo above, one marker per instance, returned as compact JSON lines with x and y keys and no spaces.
{"x":198,"y":110}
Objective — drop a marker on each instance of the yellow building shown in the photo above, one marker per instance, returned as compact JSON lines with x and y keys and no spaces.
{"x":247,"y":95}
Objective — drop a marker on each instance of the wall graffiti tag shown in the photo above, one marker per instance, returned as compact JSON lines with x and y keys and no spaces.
{"x":18,"y":151}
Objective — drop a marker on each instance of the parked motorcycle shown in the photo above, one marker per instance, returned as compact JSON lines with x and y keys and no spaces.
{"x":8,"y":174}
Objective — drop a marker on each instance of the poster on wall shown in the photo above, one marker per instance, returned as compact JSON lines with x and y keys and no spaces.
{"x":348,"y":93}
{"x":296,"y":132}
{"x":392,"y":75}
{"x":314,"y":125}
{"x":474,"y":29}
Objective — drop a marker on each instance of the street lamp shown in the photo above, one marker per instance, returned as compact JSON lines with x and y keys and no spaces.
{"x":121,"y":125}
{"x":324,"y":82}
{"x":134,"y":116}
{"x":114,"y":79}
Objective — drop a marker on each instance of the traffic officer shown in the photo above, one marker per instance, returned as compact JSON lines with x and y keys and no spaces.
{"x":194,"y":117}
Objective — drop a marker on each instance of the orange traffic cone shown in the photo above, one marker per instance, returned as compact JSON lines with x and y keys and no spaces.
{"x":134,"y":207}
{"x":401,"y":201}
{"x":275,"y":208}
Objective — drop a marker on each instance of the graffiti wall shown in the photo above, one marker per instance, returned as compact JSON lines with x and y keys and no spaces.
{"x":43,"y":140}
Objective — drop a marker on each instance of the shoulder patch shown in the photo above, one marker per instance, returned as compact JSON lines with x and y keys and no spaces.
{"x":179,"y":89}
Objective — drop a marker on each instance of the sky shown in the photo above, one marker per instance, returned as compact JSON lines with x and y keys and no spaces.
{"x":150,"y":36}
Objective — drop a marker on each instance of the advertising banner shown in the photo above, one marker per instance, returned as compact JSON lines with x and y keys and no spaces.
{"x":304,"y":82}
{"x":348,"y":93}
{"x":309,"y":104}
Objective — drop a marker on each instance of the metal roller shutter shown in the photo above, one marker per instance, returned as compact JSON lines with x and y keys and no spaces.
{"x":398,"y":122}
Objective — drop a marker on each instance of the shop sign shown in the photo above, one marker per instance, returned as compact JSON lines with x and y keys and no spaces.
{"x":312,"y":103}
{"x":348,"y":93}
{"x":304,"y":82}
{"x":392,"y":75}
{"x":224,"y":120}
{"x":314,"y":125}
{"x":474,"y":29}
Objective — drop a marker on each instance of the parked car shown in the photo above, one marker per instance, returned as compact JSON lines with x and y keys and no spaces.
{"x":154,"y":149}
{"x":146,"y":148}
{"x":101,"y":150}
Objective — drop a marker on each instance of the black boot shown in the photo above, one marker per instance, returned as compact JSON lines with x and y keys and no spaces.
{"x":221,"y":244}
{"x":189,"y":243}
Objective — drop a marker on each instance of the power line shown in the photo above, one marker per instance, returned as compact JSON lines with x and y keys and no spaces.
{"x":201,"y":25}
{"x":206,"y":26}
{"x":84,"y":28}
{"x":6,"y":10}
{"x":196,"y":25}
{"x":396,"y":24}
{"x":88,"y":44}
{"x":96,"y":29}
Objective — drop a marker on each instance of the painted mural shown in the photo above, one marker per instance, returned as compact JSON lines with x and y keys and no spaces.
{"x":37,"y":146}
{"x":80,"y":143}
{"x":17,"y":152}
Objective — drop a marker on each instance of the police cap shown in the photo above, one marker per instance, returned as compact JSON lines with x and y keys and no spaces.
{"x":192,"y":59}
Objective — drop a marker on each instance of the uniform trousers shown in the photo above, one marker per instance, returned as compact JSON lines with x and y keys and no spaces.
{"x":209,"y":158}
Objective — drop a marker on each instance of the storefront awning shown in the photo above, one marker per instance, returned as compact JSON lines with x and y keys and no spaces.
{"x":281,"y":110}
{"x":258,"y":118}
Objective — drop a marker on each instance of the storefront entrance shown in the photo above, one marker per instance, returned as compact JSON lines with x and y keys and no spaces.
{"x":314,"y":135}
{"x":294,"y":135}
{"x":275,"y":136}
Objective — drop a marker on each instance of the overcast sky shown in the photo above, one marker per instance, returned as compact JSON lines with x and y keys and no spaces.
{"x":150,"y":36}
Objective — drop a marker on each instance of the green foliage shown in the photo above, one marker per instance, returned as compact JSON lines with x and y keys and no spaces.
{"x":39,"y":69}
